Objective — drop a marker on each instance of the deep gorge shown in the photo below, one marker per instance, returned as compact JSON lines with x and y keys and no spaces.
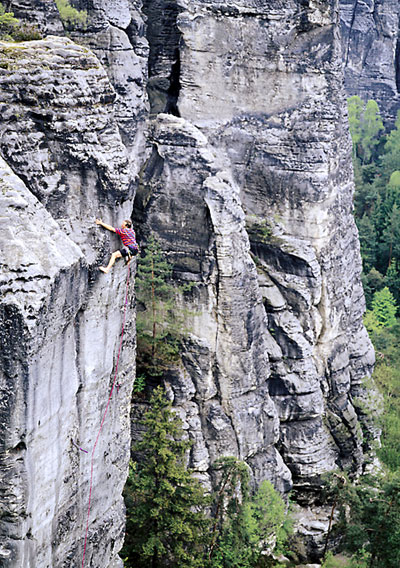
{"x":222,"y":129}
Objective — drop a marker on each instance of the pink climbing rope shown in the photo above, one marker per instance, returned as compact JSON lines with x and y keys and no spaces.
{"x":104,"y":415}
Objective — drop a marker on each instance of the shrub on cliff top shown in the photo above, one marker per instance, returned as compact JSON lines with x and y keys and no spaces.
{"x":70,"y":16}
{"x":11,"y":29}
{"x":7,"y":23}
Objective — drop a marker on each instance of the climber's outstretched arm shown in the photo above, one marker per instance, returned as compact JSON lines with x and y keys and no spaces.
{"x":108,"y":227}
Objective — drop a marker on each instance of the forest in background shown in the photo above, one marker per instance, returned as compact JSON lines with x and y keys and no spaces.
{"x":376,"y":159}
{"x":370,"y":506}
{"x":171,"y":519}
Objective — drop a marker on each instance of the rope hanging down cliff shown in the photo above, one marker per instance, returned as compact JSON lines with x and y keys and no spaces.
{"x":105,"y":413}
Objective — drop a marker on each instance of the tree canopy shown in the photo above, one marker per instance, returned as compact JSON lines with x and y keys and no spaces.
{"x":166,"y":522}
{"x":172,"y":522}
{"x":159,"y":322}
{"x":376,"y":159}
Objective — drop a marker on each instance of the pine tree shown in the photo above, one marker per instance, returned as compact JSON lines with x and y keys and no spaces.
{"x":269,"y":513}
{"x":166,"y":525}
{"x":158,"y":323}
{"x":392,"y":280}
{"x":230,"y":542}
{"x":355,"y":109}
{"x":391,"y":158}
{"x":368,"y":242}
{"x":384,"y":307}
{"x":373,"y":520}
{"x":243,"y":526}
{"x":372,"y":125}
{"x":390,"y":242}
{"x":7,"y":23}
{"x":365,"y":125}
{"x":70,"y":16}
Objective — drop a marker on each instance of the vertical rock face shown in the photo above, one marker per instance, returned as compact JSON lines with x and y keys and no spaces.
{"x":262,"y":83}
{"x":42,"y":14}
{"x":115,"y":32}
{"x":371,"y":49}
{"x":164,"y":57}
{"x":247,"y":184}
{"x":64,"y":164}
{"x":221,"y":389}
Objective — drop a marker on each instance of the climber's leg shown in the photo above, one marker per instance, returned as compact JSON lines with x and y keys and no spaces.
{"x":115,"y":255}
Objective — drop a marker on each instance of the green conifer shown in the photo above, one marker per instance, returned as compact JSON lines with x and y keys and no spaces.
{"x":391,"y":158}
{"x":373,"y":520}
{"x":7,"y":23}
{"x":158,"y":323}
{"x":70,"y":16}
{"x":384,"y":307}
{"x":166,"y":524}
{"x":392,"y":280}
{"x":390,"y":240}
{"x":243,"y":526}
{"x":355,"y":109}
{"x":372,"y":126}
{"x":368,"y":242}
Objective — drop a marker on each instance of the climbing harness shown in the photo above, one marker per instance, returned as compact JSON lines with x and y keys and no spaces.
{"x":105,"y":414}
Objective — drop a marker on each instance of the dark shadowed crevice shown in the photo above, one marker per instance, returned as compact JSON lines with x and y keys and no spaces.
{"x":150,"y":177}
{"x":397,"y":65}
{"x":304,"y":24}
{"x":350,"y":32}
{"x":174,"y":86}
{"x":164,"y":40}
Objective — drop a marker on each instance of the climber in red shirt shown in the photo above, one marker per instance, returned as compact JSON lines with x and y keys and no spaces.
{"x":128,"y":238}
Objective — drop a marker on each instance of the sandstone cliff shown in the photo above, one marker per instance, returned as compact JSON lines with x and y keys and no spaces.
{"x":222,"y":128}
{"x":60,"y":324}
{"x":371,"y":50}
{"x":281,"y":157}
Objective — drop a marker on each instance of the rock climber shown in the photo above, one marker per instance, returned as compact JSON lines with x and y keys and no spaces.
{"x":128,"y":238}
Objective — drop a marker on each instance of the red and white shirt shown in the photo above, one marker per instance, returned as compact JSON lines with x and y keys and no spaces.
{"x":128,"y":237}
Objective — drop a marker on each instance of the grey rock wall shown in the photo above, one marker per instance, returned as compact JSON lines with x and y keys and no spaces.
{"x":63,"y":164}
{"x":247,"y":183}
{"x":115,"y":32}
{"x":262,"y":82}
{"x":221,"y":389}
{"x":371,"y":50}
{"x":164,"y":57}
{"x":41,"y":14}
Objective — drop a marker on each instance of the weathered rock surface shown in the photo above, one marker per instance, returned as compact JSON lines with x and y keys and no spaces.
{"x":42,"y":14}
{"x":60,"y":322}
{"x":115,"y":32}
{"x":164,"y":57}
{"x":274,"y":122}
{"x":371,"y":50}
{"x":222,"y":389}
{"x":248,"y":185}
